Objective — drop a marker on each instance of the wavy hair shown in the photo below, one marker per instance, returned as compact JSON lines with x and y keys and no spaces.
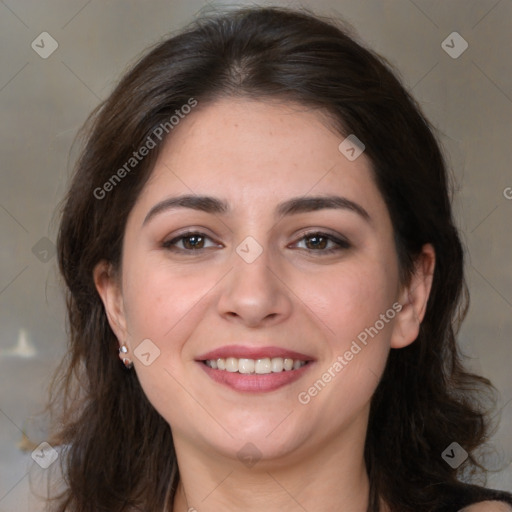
{"x":117,"y":451}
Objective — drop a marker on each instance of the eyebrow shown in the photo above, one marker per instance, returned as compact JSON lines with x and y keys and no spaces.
{"x":291,"y":206}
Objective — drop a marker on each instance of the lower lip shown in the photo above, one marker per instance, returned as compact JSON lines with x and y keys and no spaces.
{"x":253,"y":382}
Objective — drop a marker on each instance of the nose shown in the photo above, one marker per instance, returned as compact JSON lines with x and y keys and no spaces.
{"x":254,"y":294}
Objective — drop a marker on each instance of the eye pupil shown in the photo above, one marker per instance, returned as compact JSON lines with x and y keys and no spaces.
{"x":193,"y":242}
{"x":318,"y":242}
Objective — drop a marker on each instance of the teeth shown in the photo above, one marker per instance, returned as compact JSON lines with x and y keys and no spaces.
{"x":277,"y":364}
{"x":296,"y":364}
{"x":263,"y":366}
{"x":246,"y":365}
{"x":258,"y":366}
{"x":231,"y":364}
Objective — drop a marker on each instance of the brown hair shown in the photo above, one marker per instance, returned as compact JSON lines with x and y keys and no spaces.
{"x":117,"y":450}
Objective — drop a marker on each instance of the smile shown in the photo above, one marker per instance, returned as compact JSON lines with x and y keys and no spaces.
{"x":251,"y":369}
{"x":260,"y":366}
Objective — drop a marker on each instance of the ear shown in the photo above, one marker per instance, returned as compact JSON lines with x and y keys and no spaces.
{"x":109,"y":288}
{"x":413,"y":299}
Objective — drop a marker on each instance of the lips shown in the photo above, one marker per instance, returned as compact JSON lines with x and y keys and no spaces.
{"x":255,"y":380}
{"x":242,"y":352}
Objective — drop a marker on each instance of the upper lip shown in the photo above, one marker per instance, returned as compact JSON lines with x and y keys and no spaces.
{"x":245,"y":352}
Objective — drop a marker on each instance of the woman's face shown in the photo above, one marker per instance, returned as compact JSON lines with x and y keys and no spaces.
{"x":278,"y":273}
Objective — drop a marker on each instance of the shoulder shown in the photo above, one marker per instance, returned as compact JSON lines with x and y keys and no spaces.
{"x":488,"y":506}
{"x":461,"y":497}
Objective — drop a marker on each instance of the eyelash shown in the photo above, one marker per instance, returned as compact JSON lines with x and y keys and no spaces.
{"x":341,"y":244}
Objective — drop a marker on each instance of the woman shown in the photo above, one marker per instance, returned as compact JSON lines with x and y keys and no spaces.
{"x":259,"y":228}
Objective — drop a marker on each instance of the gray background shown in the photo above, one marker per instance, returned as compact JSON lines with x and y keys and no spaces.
{"x":44,"y":101}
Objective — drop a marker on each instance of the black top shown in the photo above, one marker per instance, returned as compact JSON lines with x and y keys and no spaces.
{"x":462,"y":495}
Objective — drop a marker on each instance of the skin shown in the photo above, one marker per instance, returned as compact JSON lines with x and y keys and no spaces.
{"x":255,"y":155}
{"x":488,"y":506}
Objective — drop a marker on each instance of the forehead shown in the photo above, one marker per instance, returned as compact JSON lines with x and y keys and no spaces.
{"x":250,"y":152}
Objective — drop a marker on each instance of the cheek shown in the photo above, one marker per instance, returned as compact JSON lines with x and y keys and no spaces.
{"x":354,"y":306}
{"x":164,"y":306}
{"x":159,"y":298}
{"x":352,"y":299}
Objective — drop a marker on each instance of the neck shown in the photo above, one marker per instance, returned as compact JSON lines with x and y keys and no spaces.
{"x":328,"y":477}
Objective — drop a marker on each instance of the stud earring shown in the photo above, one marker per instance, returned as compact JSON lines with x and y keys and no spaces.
{"x":127,"y":362}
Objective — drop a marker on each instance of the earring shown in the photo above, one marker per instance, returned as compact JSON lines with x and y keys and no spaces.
{"x":127,"y":362}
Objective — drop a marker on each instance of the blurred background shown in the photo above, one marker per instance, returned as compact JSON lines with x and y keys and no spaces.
{"x":59,"y":59}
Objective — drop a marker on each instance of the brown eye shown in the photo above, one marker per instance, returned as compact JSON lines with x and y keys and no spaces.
{"x":188,"y":242}
{"x":193,"y":242}
{"x":316,"y":242}
{"x":323,"y":243}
